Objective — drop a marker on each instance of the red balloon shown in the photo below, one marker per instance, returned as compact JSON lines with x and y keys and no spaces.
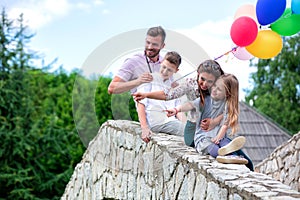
{"x":243,"y":31}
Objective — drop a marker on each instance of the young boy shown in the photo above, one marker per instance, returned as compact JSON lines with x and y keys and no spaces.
{"x":151,"y":112}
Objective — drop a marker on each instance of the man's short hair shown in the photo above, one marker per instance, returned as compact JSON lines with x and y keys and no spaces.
{"x":156,"y":31}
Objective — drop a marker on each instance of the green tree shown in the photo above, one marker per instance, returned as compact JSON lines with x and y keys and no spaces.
{"x":39,"y":143}
{"x":84,"y":109}
{"x":92,"y":106}
{"x":276,"y":86}
{"x":118,"y":106}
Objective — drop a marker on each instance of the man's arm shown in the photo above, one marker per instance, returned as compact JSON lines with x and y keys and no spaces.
{"x":118,"y":85}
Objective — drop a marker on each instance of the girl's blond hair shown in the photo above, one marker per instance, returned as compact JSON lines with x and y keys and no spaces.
{"x":231,"y":85}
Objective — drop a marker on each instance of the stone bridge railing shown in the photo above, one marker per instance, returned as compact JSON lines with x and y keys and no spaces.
{"x":284,"y":163}
{"x":119,"y":165}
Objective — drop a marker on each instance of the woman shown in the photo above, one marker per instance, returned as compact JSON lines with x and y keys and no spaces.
{"x":208,"y":72}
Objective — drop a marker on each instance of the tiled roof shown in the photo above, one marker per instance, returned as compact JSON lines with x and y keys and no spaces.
{"x":262,"y":135}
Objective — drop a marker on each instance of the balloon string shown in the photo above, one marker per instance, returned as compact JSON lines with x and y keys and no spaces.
{"x":184,"y":76}
{"x":233,"y":49}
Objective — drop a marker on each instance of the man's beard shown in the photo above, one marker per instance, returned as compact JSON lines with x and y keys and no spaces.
{"x":153,"y":52}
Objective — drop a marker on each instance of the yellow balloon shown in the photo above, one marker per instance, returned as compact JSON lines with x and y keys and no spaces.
{"x":266,"y":45}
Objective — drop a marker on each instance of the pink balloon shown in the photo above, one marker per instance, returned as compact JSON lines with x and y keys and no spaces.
{"x":243,"y":31}
{"x":246,"y":10}
{"x":242,"y":53}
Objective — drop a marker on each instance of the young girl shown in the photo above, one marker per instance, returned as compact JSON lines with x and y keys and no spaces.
{"x":222,"y":101}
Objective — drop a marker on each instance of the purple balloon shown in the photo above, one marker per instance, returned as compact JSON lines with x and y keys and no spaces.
{"x":268,"y":11}
{"x":242,"y":53}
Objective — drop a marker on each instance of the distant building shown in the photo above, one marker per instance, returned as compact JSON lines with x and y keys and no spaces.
{"x":262,"y":135}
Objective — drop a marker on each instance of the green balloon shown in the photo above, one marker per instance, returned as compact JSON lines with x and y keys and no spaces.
{"x":288,"y":24}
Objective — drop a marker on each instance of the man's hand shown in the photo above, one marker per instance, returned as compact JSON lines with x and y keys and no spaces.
{"x":146,"y":135}
{"x":145,"y":78}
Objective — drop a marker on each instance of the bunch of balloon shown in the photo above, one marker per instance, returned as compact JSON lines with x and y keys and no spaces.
{"x":267,"y":42}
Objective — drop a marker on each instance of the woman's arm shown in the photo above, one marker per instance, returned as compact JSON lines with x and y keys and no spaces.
{"x":171,"y":93}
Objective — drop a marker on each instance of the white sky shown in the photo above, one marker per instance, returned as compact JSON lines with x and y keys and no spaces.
{"x":72,"y":30}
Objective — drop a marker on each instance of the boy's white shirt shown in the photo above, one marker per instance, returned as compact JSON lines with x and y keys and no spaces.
{"x":155,"y":108}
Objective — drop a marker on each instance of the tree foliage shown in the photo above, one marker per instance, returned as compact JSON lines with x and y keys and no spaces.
{"x":276,"y":90}
{"x":39,"y":143}
{"x":119,"y":106}
{"x":46,"y":118}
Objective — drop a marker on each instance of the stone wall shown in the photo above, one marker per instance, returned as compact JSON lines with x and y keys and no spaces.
{"x":284,"y":163}
{"x":119,"y":165}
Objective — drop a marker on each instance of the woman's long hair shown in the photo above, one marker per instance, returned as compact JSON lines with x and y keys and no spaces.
{"x":210,"y":67}
{"x":231,"y":85}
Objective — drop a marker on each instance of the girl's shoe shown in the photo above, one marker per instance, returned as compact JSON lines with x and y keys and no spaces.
{"x":236,"y":144}
{"x":232,"y":159}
